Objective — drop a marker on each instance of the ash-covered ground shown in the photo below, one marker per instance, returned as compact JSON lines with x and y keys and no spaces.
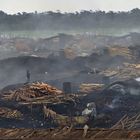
{"x":70,"y":80}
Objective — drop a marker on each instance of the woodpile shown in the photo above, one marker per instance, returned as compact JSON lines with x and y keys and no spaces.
{"x":122,"y":51}
{"x":88,"y":88}
{"x":32,"y":91}
{"x":45,"y":88}
{"x":127,"y":72}
{"x":9,"y":113}
{"x":32,"y":96}
{"x":109,"y":72}
{"x":50,"y":100}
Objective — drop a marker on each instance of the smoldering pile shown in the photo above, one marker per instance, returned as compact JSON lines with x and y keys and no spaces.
{"x":35,"y":97}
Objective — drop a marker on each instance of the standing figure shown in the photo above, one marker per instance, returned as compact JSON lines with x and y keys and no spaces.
{"x":28,"y":76}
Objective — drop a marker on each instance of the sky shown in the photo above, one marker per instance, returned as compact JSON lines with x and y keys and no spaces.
{"x":15,"y":6}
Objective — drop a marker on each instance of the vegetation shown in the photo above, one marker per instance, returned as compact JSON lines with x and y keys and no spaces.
{"x":69,"y":21}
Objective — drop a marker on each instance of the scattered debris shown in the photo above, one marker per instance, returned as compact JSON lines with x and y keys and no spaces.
{"x":9,"y":113}
{"x":128,"y":123}
{"x":60,"y":134}
{"x":62,"y":120}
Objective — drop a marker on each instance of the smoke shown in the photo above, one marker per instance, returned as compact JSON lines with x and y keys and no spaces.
{"x":115,"y":103}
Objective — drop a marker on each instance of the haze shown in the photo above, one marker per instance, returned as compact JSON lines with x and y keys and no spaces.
{"x":14,"y":6}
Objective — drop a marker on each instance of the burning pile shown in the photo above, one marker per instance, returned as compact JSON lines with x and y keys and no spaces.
{"x":32,"y":91}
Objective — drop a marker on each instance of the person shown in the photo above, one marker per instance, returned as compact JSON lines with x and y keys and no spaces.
{"x":28,"y":75}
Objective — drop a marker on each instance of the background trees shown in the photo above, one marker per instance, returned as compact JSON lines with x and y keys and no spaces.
{"x":66,"y":21}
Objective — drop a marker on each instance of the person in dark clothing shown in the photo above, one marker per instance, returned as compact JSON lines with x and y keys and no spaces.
{"x":28,"y":75}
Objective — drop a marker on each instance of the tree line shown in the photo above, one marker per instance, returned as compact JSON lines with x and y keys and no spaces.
{"x":67,"y":21}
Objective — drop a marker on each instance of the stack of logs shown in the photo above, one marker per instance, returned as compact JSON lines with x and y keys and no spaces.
{"x":126,"y":72}
{"x":32,"y":91}
{"x":88,"y":88}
